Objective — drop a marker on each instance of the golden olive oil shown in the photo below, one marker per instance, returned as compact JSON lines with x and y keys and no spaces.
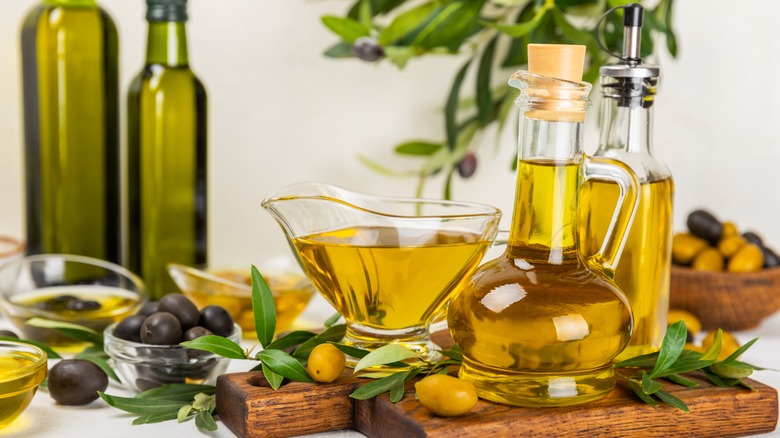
{"x":115,"y":304}
{"x":291,"y":295}
{"x":539,"y":326}
{"x":644,"y":268}
{"x":386,"y":277}
{"x":16,"y":391}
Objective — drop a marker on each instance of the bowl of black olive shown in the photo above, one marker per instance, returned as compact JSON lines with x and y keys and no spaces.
{"x":727,"y":278}
{"x":145,"y":347}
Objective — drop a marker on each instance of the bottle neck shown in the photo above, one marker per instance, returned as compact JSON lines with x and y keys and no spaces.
{"x":167,"y":44}
{"x":545,"y":219}
{"x":626,"y":126}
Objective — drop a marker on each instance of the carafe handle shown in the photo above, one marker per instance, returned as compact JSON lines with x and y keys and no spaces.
{"x":615,"y":171}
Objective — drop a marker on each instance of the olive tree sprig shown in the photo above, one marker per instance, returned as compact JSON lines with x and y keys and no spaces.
{"x":176,"y":401}
{"x":673,"y":360}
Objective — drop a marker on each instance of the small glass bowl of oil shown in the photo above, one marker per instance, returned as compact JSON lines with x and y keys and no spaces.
{"x":67,"y":288}
{"x":147,"y":366}
{"x":231,"y":288}
{"x":22,"y":369}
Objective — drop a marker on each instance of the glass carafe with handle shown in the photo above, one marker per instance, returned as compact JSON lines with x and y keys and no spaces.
{"x":541,"y":324}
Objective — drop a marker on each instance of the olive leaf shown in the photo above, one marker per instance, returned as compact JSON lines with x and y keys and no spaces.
{"x":331,"y":334}
{"x":284,"y":364}
{"x":332,"y":320}
{"x":177,"y":391}
{"x":102,"y":363}
{"x":384,"y":355}
{"x":671,"y":347}
{"x":274,"y":379}
{"x":264,"y":308}
{"x":290,"y":339}
{"x":348,"y":29}
{"x":46,"y":349}
{"x":218,"y":345}
{"x":156,"y":418}
{"x":74,"y":331}
{"x":204,"y":420}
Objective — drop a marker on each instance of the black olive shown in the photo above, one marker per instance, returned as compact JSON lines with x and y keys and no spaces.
{"x":368,"y":49}
{"x":752,"y":237}
{"x":181,"y":307}
{"x":9,"y":333}
{"x":76,"y":382}
{"x":196,"y":332}
{"x":60,"y":302}
{"x":161,"y":328}
{"x":83,"y":305}
{"x":216,"y":319}
{"x":468,"y":165}
{"x":771,"y":259}
{"x":129,"y":328}
{"x":149,"y":307}
{"x":703,"y":224}
{"x":689,"y":338}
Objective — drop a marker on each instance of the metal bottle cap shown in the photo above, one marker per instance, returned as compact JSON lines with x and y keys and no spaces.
{"x":166,"y":10}
{"x":631,"y":62}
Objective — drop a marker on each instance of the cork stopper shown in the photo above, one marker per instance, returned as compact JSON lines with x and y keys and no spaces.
{"x":560,"y":61}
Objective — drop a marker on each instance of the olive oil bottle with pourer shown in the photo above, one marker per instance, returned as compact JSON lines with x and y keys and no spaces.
{"x":541,"y":325}
{"x":629,"y":89}
{"x":166,"y":154}
{"x":71,"y":135}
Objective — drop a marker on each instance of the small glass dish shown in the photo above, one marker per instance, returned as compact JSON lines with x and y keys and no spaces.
{"x":67,"y":288}
{"x":22,"y":369}
{"x":231,"y":288}
{"x":146,"y":366}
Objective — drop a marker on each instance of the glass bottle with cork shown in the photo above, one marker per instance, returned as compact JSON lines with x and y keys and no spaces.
{"x":541,"y":325}
{"x":166,"y":154}
{"x":629,"y":90}
{"x":71,"y":133}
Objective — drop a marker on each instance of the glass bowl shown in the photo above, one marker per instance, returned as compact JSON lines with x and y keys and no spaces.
{"x":22,"y":369}
{"x":10,"y":248}
{"x":67,"y":288}
{"x":146,"y":366}
{"x":231,"y":288}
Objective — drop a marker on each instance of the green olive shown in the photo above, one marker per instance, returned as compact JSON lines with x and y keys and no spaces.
{"x":749,"y":258}
{"x":729,"y":245}
{"x":685,"y":247}
{"x":730,"y":371}
{"x":446,"y":396}
{"x":703,"y":224}
{"x":709,"y":259}
{"x":326,"y":363}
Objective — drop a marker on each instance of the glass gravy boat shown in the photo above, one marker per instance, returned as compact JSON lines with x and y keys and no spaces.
{"x":388,"y":265}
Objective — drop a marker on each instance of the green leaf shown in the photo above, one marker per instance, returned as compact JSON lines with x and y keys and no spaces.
{"x":680,"y":380}
{"x":643,"y":361}
{"x":417,"y":148}
{"x":218,"y":345}
{"x":638,"y":391}
{"x":451,"y":26}
{"x":331,"y":334}
{"x":733,"y":356}
{"x":405,"y":23}
{"x":365,"y":13}
{"x":450,"y":109}
{"x":274,"y":379}
{"x":671,"y":400}
{"x":204,"y":420}
{"x":381,"y":386}
{"x":524,"y":28}
{"x":156,"y":418}
{"x":142,"y":406}
{"x":375,"y":375}
{"x":102,"y":363}
{"x":290,"y":339}
{"x":205,"y":402}
{"x":649,"y":386}
{"x":453,"y":353}
{"x":46,"y":349}
{"x":671,"y":347}
{"x":397,"y":391}
{"x":184,"y":413}
{"x":332,"y":320}
{"x":74,"y":331}
{"x":348,"y":29}
{"x":437,"y":20}
{"x":399,"y":55}
{"x":444,"y":371}
{"x":264,"y":308}
{"x":341,"y":49}
{"x":713,"y":352}
{"x":351,"y":351}
{"x":384,"y":355}
{"x":722,"y":382}
{"x":284,"y":364}
{"x":484,"y":97}
{"x":177,"y":391}
{"x":730,"y":371}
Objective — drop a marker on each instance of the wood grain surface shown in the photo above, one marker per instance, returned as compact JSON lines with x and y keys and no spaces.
{"x":252,"y":409}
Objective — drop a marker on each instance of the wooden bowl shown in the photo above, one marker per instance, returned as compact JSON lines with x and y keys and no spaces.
{"x":729,"y":301}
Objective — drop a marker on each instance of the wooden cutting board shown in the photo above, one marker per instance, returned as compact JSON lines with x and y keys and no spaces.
{"x":250,"y":408}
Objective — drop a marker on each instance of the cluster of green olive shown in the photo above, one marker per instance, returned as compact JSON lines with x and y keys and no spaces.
{"x":716,"y":246}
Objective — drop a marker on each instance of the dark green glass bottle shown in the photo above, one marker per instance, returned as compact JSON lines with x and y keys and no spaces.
{"x":166,"y":154}
{"x":69,"y":65}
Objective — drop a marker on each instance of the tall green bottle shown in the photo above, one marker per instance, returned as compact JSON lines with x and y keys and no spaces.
{"x":69,"y":65}
{"x":166,"y":154}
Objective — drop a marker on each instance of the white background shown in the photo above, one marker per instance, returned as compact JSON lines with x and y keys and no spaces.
{"x":281,"y":113}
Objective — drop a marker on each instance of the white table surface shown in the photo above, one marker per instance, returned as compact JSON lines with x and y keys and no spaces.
{"x":44,"y":418}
